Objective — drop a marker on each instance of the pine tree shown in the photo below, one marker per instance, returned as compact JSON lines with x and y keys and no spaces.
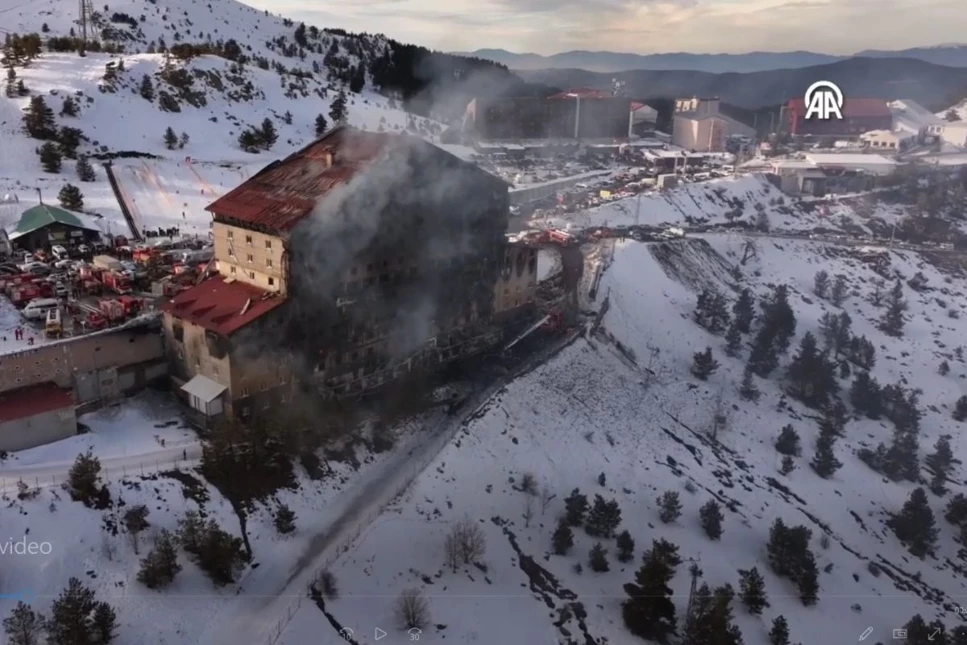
{"x":287,"y":118}
{"x":71,"y":198}
{"x":84,"y":477}
{"x":748,"y":390}
{"x":183,"y":140}
{"x":733,"y":340}
{"x":752,"y":588}
{"x":626,"y":546}
{"x":68,"y":107}
{"x":915,"y":525}
{"x":669,"y":506}
{"x":576,"y":507}
{"x":249,"y":141}
{"x":838,"y":293}
{"x":21,"y":88}
{"x":788,"y":465}
{"x":956,"y":512}
{"x":704,"y":364}
{"x":268,"y":134}
{"x":160,"y":566}
{"x":284,"y":520}
{"x":135,"y":520}
{"x":710,"y":516}
{"x":24,"y":626}
{"x":744,"y":311}
{"x":146,"y":88}
{"x":11,"y":84}
{"x":779,"y":634}
{"x":821,"y":284}
{"x":72,"y":619}
{"x":940,"y":462}
{"x":104,"y":623}
{"x":787,"y":443}
{"x":85,"y":171}
{"x":649,"y":612}
{"x":811,"y":376}
{"x":790,"y":557}
{"x":39,"y":119}
{"x":598,"y":558}
{"x":170,"y":138}
{"x":563,"y":538}
{"x":321,"y":125}
{"x":604,"y":518}
{"x":69,"y":139}
{"x":710,"y":621}
{"x":711,"y":311}
{"x":892,"y":322}
{"x":824,"y":462}
{"x":358,"y":80}
{"x":944,"y":368}
{"x":960,"y":409}
{"x":337,"y":110}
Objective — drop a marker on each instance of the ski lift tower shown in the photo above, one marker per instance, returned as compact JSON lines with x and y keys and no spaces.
{"x":86,"y":13}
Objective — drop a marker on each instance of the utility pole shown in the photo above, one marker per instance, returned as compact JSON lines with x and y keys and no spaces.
{"x":86,"y":12}
{"x":696,"y":573}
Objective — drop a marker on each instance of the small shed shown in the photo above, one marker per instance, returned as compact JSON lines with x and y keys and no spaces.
{"x":205,"y":396}
{"x":44,"y":225}
{"x":36,"y":415}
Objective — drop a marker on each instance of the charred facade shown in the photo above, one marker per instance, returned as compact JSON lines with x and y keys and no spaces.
{"x":549,"y":118}
{"x":373,"y":255}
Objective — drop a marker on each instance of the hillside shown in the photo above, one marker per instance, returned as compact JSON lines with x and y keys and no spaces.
{"x":650,"y":426}
{"x":858,"y":77}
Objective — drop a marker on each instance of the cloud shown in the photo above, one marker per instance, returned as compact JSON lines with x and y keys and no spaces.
{"x":644,"y":26}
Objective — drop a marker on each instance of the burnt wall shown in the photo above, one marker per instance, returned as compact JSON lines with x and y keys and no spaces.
{"x":540,"y":118}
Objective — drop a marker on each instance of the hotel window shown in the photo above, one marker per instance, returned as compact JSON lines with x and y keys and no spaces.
{"x":268,"y":244}
{"x":251,"y":275}
{"x":244,"y":391}
{"x":231,"y":235}
{"x":248,"y":240}
{"x":231,"y":270}
{"x":249,"y":258}
{"x":214,"y":370}
{"x":268,"y":263}
{"x":231,"y":253}
{"x":271,"y":282}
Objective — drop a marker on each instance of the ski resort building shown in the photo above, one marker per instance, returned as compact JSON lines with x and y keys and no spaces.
{"x":360,"y":259}
{"x":569,"y":116}
{"x":699,"y":126}
{"x":43,"y":225}
{"x":859,"y":116}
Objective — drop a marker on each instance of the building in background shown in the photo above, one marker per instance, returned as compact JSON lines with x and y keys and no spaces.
{"x":859,"y":116}
{"x":578,"y":115}
{"x":909,"y":117}
{"x":699,"y":126}
{"x":44,"y":225}
{"x":888,"y":141}
{"x":954,"y":133}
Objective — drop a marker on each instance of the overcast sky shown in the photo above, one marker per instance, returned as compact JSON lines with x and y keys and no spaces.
{"x":643,"y":26}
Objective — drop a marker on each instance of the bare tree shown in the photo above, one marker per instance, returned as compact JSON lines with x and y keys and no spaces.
{"x":528,"y":511}
{"x":470,"y":539}
{"x":720,"y":417}
{"x":412,"y":609}
{"x":546,"y":497}
{"x":452,"y":551}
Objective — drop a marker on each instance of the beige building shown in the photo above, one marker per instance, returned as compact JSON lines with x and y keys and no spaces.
{"x":887,"y":140}
{"x":248,"y":256}
{"x":699,"y":126}
{"x":955,"y":133}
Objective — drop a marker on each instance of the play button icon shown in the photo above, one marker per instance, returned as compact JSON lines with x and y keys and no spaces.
{"x":380,"y":633}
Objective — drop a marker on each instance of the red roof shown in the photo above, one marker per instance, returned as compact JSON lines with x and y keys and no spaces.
{"x":280,"y":195}
{"x":33,"y":400}
{"x":851,"y":107}
{"x":220,"y":306}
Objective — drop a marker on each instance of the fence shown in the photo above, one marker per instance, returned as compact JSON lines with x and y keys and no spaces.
{"x":10,"y":484}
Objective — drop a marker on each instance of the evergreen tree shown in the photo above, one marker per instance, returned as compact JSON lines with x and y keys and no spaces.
{"x":811,"y":375}
{"x":69,"y":139}
{"x":21,"y":88}
{"x":284,"y":520}
{"x":710,"y":516}
{"x":287,"y":118}
{"x":958,"y":635}
{"x":78,"y":619}
{"x":704,"y":364}
{"x":563,"y":538}
{"x":358,"y":80}
{"x":135,"y":520}
{"x":170,"y":138}
{"x":268,"y":134}
{"x":892,"y":322}
{"x":604,"y":518}
{"x":24,"y":626}
{"x":743,"y":311}
{"x":865,"y":395}
{"x":787,"y":443}
{"x":338,"y":108}
{"x":748,"y":390}
{"x":779,"y":319}
{"x":824,"y":462}
{"x":862,"y":352}
{"x":104,"y":623}
{"x":321,"y":125}
{"x":146,"y":88}
{"x":779,"y":634}
{"x":576,"y":507}
{"x":918,"y":632}
{"x":956,"y":512}
{"x":940,"y":462}
{"x":711,"y":311}
{"x":39,"y":119}
{"x":85,"y":171}
{"x":669,"y":507}
{"x":710,"y":622}
{"x":788,"y":465}
{"x":821,"y":284}
{"x":844,"y":334}
{"x":791,"y":557}
{"x":626,"y":546}
{"x":752,"y":588}
{"x":598,"y":558}
{"x":249,"y":141}
{"x":68,"y":107}
{"x":11,"y":84}
{"x":944,"y":368}
{"x":649,"y":612}
{"x":915,"y":526}
{"x":733,"y":340}
{"x":84,"y":477}
{"x":183,"y":140}
{"x":960,"y":409}
{"x":838,"y":293}
{"x":71,"y":198}
{"x":160,"y":566}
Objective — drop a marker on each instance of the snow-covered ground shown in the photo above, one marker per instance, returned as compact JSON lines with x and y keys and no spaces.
{"x":10,"y":321}
{"x":592,"y":411}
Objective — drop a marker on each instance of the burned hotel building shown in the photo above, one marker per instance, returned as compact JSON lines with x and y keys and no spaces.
{"x":360,"y":259}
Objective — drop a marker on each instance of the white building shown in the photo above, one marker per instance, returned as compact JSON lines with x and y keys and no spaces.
{"x":699,"y":126}
{"x":856,"y":162}
{"x":955,"y":133}
{"x":887,"y":140}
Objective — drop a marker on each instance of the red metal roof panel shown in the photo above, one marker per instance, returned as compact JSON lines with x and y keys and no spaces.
{"x":30,"y":401}
{"x":851,"y":107}
{"x":220,"y":306}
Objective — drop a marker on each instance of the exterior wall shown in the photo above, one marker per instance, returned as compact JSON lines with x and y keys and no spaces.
{"x":517,"y":285}
{"x":699,"y":106}
{"x":882,"y":140}
{"x":55,"y":233}
{"x":38,"y":430}
{"x":684,"y":132}
{"x":955,"y":133}
{"x":250,"y":256}
{"x":62,"y":362}
{"x":848,"y":126}
{"x":703,"y":135}
{"x":191,"y":353}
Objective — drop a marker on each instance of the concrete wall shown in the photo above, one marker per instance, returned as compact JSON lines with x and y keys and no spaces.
{"x":527,"y":194}
{"x":38,"y":430}
{"x":517,"y":285}
{"x":955,"y":133}
{"x":249,"y":256}
{"x":60,"y":362}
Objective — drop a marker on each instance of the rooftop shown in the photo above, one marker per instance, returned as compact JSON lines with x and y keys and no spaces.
{"x":222,"y":305}
{"x":849,"y":158}
{"x":42,"y":215}
{"x":910,"y":110}
{"x":851,"y":108}
{"x":584,"y":93}
{"x":33,"y":400}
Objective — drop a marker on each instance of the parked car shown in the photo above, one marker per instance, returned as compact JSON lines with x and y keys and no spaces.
{"x":36,"y":268}
{"x":65,"y":263}
{"x":59,"y":251}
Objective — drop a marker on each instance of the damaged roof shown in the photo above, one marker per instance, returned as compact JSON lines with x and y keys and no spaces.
{"x":280,"y":195}
{"x":222,"y":306}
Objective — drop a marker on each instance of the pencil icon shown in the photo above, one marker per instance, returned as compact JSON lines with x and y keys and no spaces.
{"x":866,"y":633}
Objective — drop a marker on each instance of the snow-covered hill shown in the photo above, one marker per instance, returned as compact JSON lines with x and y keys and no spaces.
{"x":646,"y":424}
